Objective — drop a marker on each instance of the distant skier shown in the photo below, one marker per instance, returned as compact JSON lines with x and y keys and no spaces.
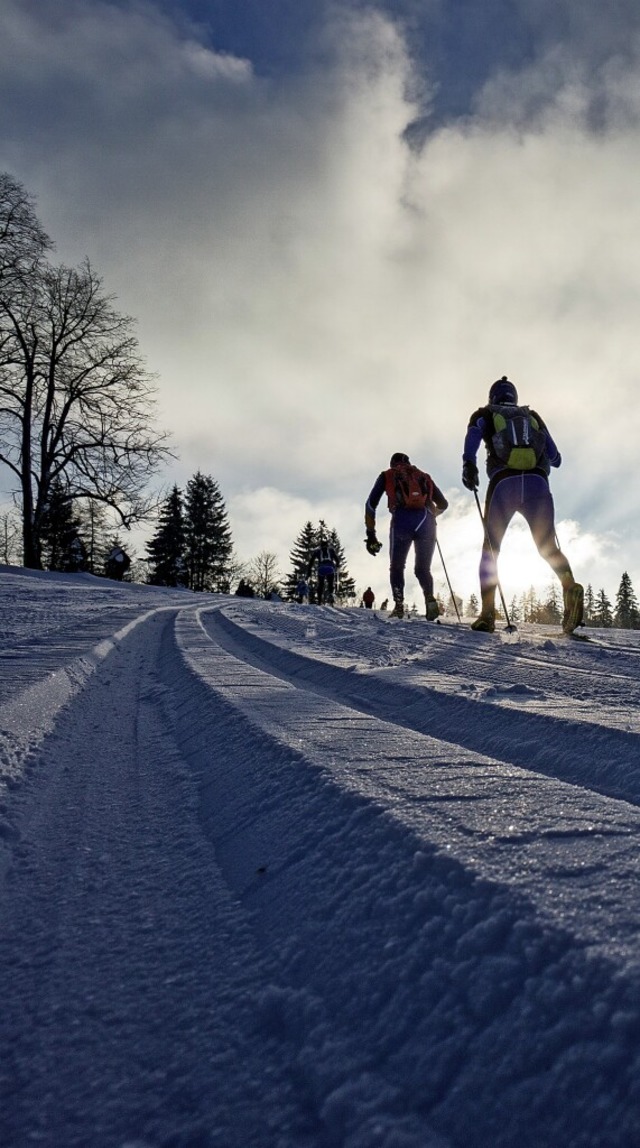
{"x":414,"y":501}
{"x":117,"y":563}
{"x":302,"y":591}
{"x":520,"y":452}
{"x":327,"y":562}
{"x":368,"y":598}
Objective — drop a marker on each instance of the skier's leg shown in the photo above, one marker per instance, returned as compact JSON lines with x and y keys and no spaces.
{"x":538,"y":510}
{"x":331,"y":578}
{"x":425,"y":543}
{"x":499,"y":510}
{"x":400,"y":539}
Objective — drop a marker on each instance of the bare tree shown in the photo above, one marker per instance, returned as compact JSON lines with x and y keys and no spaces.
{"x":264,"y":574}
{"x":10,"y":552}
{"x":23,"y":242}
{"x":76,"y":403}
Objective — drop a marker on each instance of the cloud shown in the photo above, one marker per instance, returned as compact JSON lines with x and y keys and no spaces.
{"x":313,"y":293}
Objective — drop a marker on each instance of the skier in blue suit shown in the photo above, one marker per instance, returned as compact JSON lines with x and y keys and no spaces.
{"x":516,"y":486}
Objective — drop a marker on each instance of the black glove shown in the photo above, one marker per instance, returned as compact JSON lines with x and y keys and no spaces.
{"x":371,"y":542}
{"x":470,"y":477}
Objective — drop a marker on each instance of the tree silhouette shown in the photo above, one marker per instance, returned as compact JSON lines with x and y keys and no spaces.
{"x":208,"y":549}
{"x":166,"y":550}
{"x":627,"y":614}
{"x":76,"y":403}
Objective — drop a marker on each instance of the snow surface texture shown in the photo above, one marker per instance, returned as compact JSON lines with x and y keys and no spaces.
{"x":275,"y":876}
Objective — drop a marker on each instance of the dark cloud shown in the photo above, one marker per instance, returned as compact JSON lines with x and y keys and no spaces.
{"x":458,"y":44}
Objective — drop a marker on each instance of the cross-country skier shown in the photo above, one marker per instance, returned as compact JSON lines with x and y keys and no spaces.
{"x":414,"y":500}
{"x":520,"y":452}
{"x":327,"y":560}
{"x":368,"y":598}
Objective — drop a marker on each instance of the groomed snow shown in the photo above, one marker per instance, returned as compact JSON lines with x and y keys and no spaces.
{"x":274,"y":876}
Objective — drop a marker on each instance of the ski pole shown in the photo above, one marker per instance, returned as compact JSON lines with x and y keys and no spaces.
{"x":453,"y":597}
{"x":510,"y":625}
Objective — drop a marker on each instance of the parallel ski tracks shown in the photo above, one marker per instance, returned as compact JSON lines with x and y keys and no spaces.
{"x":598,"y":751}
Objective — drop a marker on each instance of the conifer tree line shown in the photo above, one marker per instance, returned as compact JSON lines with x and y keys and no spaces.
{"x":192,"y":546}
{"x":624,"y":614}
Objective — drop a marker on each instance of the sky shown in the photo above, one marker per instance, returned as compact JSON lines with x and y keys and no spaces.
{"x":336,"y":224}
{"x":291,"y":877}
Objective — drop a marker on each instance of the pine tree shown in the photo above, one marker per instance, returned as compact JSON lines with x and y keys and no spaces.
{"x":530,"y":605}
{"x":551,"y":611}
{"x":308,"y":539}
{"x":346,"y":587}
{"x":299,"y":558}
{"x":589,"y":604}
{"x":627,"y":614}
{"x":473,"y":607}
{"x":62,"y":546}
{"x":209,"y":549}
{"x":166,"y":550}
{"x":602,"y":613}
{"x":94,"y":528}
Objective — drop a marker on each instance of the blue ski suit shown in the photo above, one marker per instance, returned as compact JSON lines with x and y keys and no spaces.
{"x":514,"y":491}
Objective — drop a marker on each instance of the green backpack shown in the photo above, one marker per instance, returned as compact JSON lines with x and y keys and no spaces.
{"x":517,"y":439}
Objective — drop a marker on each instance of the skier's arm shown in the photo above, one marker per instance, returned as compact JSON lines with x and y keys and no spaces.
{"x":372,"y":502}
{"x":477,"y":432}
{"x":371,"y":541}
{"x":439,"y":503}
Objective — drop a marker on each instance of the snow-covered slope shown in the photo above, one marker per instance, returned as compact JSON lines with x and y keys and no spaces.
{"x":276,"y":876}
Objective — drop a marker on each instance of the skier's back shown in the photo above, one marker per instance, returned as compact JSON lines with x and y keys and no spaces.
{"x":520,"y":453}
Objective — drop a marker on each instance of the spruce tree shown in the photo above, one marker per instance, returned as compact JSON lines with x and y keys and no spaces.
{"x":94,"y":528}
{"x":530,"y":606}
{"x":299,"y":557}
{"x":627,"y":615}
{"x":589,"y":604}
{"x":209,"y":548}
{"x":551,"y":611}
{"x":602,"y":613}
{"x":309,"y":538}
{"x":166,"y":550}
{"x":346,"y":587}
{"x":515,"y":612}
{"x":62,"y":546}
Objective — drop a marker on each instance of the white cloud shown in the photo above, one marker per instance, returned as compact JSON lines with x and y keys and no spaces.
{"x":313,"y":295}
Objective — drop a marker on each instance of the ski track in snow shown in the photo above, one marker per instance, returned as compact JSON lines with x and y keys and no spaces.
{"x":286,"y":877}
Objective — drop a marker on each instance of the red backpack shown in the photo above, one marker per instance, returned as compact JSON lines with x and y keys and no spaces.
{"x":408,"y":486}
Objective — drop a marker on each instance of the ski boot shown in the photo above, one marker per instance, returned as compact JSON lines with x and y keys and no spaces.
{"x":485,"y":623}
{"x":433,"y":609}
{"x":398,"y":609}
